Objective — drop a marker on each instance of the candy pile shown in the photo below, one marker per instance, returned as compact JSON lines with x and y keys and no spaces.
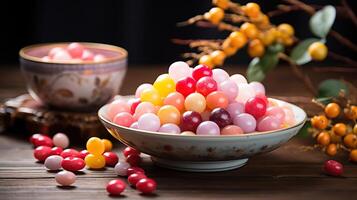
{"x":74,"y":52}
{"x":201,"y":101}
{"x":97,"y":155}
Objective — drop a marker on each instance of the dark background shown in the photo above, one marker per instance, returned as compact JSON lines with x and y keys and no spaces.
{"x":143,"y":27}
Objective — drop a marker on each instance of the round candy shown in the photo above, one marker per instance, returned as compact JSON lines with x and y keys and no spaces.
{"x":151,"y":95}
{"x":175,"y":99}
{"x":70,"y":152}
{"x":73,"y":164}
{"x":206,"y":85}
{"x":142,"y":108}
{"x":229,"y":88}
{"x":149,"y":122}
{"x":132,"y":170}
{"x":121,"y":168}
{"x":83,"y":154}
{"x":276,"y":112}
{"x":268,"y":123}
{"x":116,"y":107}
{"x":190,"y":120}
{"x":65,"y":178}
{"x":221,"y":117}
{"x":178,"y":70}
{"x":208,"y":128}
{"x":42,"y":140}
{"x":95,"y":146}
{"x":42,"y":152}
{"x":255,"y":106}
{"x":133,"y":159}
{"x":54,"y":50}
{"x":111,"y":158}
{"x":205,"y":115}
{"x":246,"y":122}
{"x":99,"y":58}
{"x":134,"y":125}
{"x":135,"y":177}
{"x":189,"y":133}
{"x":235,"y":109}
{"x":238,"y":79}
{"x":53,"y":162}
{"x":62,"y":56}
{"x":219,"y":75}
{"x":186,"y":86}
{"x":257,"y":87}
{"x":165,"y":85}
{"x":289,"y":116}
{"x":108,"y":145}
{"x":333,"y":168}
{"x":115,"y":187}
{"x":56,"y":151}
{"x":133,"y":103}
{"x":60,"y":140}
{"x":75,"y":49}
{"x":245,"y":92}
{"x":87,"y":55}
{"x":170,"y":128}
{"x":124,"y":119}
{"x":46,"y":59}
{"x":146,"y":185}
{"x":34,"y":137}
{"x":169,"y":114}
{"x":129,"y":151}
{"x":217,"y":99}
{"x":231,"y":130}
{"x":141,"y":88}
{"x":195,"y":102}
{"x":201,"y":71}
{"x":95,"y":161}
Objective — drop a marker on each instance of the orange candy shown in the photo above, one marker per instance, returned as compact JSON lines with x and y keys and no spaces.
{"x":217,"y":99}
{"x":175,"y":99}
{"x":195,"y":102}
{"x":169,"y":114}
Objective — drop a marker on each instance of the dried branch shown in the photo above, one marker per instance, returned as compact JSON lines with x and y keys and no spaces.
{"x":283,"y":9}
{"x":190,"y":21}
{"x":335,"y":69}
{"x":349,"y":12}
{"x":342,"y":58}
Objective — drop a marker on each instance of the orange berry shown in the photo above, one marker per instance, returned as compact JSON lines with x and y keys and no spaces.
{"x":351,"y":113}
{"x":263,"y":21}
{"x":251,"y":9}
{"x":318,"y":51}
{"x":218,"y":57}
{"x":224,"y":4}
{"x":340,"y":129}
{"x":286,"y":29}
{"x":323,"y":138}
{"x":215,"y":15}
{"x":350,"y":141}
{"x":287,"y":41}
{"x":227,"y":48}
{"x":238,"y":39}
{"x":355,"y":129}
{"x":206,"y":60}
{"x":331,"y":149}
{"x":319,"y":122}
{"x":267,"y":37}
{"x":332,"y":110}
{"x":256,"y":48}
{"x":353,"y":155}
{"x":335,"y":138}
{"x":250,"y":30}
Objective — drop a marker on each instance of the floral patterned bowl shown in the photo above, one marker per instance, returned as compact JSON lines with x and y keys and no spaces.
{"x":203,"y":153}
{"x":81,"y":86}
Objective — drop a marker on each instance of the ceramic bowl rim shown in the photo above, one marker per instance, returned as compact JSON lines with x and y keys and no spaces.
{"x":253,"y":134}
{"x":122,"y":53}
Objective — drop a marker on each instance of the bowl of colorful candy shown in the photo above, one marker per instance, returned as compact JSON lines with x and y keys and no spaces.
{"x":73,"y":76}
{"x":201,"y":119}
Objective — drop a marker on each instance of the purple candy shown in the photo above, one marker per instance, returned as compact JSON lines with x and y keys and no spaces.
{"x":235,"y":109}
{"x":170,"y":128}
{"x":268,"y":123}
{"x":230,"y":88}
{"x":208,"y":128}
{"x":258,"y":87}
{"x":149,"y":122}
{"x":246,"y":122}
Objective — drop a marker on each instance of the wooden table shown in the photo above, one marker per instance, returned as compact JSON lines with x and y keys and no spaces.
{"x":290,"y":172}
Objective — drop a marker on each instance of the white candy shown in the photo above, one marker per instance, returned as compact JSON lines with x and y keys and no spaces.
{"x":53,"y":162}
{"x":60,"y":140}
{"x":121,"y":168}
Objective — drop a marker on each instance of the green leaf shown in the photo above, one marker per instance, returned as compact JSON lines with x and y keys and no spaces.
{"x":322,"y":21}
{"x":255,"y":71}
{"x":299,"y":54}
{"x":331,"y":88}
{"x":324,"y":100}
{"x":304,"y":131}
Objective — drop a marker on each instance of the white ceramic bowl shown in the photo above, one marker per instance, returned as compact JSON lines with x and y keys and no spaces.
{"x":203,"y":153}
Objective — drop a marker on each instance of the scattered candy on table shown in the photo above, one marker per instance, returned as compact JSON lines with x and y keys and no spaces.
{"x":61,"y":140}
{"x":115,"y":187}
{"x":53,"y":162}
{"x":73,"y":164}
{"x":333,"y":168}
{"x":65,"y":178}
{"x":202,"y":101}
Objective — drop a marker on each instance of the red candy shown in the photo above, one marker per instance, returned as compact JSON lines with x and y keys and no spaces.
{"x":256,"y":106}
{"x":129,"y":151}
{"x":134,"y":178}
{"x":186,"y":86}
{"x":75,"y":50}
{"x":190,"y":121}
{"x":42,"y":140}
{"x":73,"y":164}
{"x":134,"y":104}
{"x":116,"y":187}
{"x":132,"y":170}
{"x":34,"y":137}
{"x":42,"y":152}
{"x":262,"y":96}
{"x":201,"y":71}
{"x":333,"y":168}
{"x":133,"y":159}
{"x":146,"y":185}
{"x":111,"y":159}
{"x":56,"y":151}
{"x":83,"y":154}
{"x":70,"y":153}
{"x":206,"y":85}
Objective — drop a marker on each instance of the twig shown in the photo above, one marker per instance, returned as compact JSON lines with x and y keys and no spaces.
{"x":189,"y":41}
{"x":236,"y":18}
{"x":190,"y":21}
{"x":349,"y":12}
{"x":342,"y":58}
{"x":297,"y":71}
{"x":222,"y":26}
{"x":283,"y":9}
{"x":335,"y":69}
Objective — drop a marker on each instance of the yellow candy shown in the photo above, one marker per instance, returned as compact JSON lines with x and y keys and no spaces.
{"x":151,"y":95}
{"x":107,"y":144}
{"x":95,"y":161}
{"x":195,"y":102}
{"x":165,"y":85}
{"x":169,"y":114}
{"x":95,"y":146}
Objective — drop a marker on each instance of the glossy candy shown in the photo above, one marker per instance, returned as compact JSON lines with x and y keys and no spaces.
{"x":65,"y":178}
{"x":333,"y":168}
{"x":195,"y":102}
{"x":135,"y":177}
{"x":73,"y":164}
{"x":132,"y":170}
{"x":257,"y":87}
{"x":170,"y":128}
{"x":62,"y":56}
{"x":134,"y":125}
{"x":141,"y":88}
{"x":221,"y":117}
{"x":34,"y":137}
{"x":42,"y":140}
{"x":95,"y":146}
{"x":229,"y":88}
{"x":54,"y":50}
{"x":99,"y":58}
{"x":219,"y":75}
{"x":165,"y":85}
{"x":60,"y":140}
{"x":121,"y":168}
{"x":206,"y":85}
{"x":151,"y":95}
{"x":268,"y":123}
{"x":56,"y":151}
{"x":111,"y":158}
{"x":146,"y":185}
{"x":217,"y":99}
{"x":116,"y":107}
{"x":144,"y":107}
{"x":238,"y":79}
{"x":133,"y":104}
{"x":188,"y":133}
{"x":190,"y":121}
{"x":108,"y":145}
{"x":289,"y":116}
{"x":87,"y":55}
{"x":256,"y":107}
{"x":235,"y":108}
{"x":124,"y":119}
{"x":245,"y":92}
{"x":175,"y":99}
{"x":83,"y":154}
{"x":95,"y":161}
{"x":75,"y":50}
{"x":149,"y":122}
{"x":133,"y":159}
{"x":179,"y":70}
{"x":246,"y":122}
{"x":53,"y":162}
{"x":115,"y":187}
{"x":129,"y":151}
{"x":201,"y":71}
{"x":186,"y":86}
{"x":42,"y":152}
{"x":70,"y":152}
{"x":276,"y":112}
{"x":231,"y":130}
{"x":208,"y":128}
{"x":169,"y":114}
